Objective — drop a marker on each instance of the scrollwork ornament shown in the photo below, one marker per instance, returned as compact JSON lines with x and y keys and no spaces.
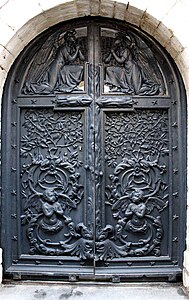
{"x":137,"y":191}
{"x":51,"y":183}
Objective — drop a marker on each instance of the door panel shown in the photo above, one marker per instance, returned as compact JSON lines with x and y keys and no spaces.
{"x":136,"y":215}
{"x":135,"y":206}
{"x":93,"y":157}
{"x":136,"y":188}
{"x":52,"y":187}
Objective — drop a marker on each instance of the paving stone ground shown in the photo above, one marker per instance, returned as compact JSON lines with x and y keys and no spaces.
{"x":91,"y":291}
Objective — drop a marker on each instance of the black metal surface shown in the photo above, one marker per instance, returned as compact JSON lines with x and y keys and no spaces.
{"x":93,"y":138}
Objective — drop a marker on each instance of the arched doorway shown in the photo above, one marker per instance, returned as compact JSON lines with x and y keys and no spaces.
{"x":94,"y":156}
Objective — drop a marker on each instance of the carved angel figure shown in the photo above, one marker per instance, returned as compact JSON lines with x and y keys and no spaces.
{"x":136,"y":206}
{"x":51,"y":209}
{"x":53,"y":206}
{"x":53,"y":69}
{"x":136,"y":71}
{"x":136,"y":211}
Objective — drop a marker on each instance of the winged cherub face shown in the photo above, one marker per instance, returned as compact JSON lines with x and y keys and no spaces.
{"x":50,"y":195}
{"x":137,"y":196}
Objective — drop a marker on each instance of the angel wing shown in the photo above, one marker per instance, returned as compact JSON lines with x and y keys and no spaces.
{"x":144,"y":57}
{"x":66,"y":200}
{"x":155,"y":202}
{"x":43,"y":57}
{"x":33,"y":202}
{"x":122,"y":202}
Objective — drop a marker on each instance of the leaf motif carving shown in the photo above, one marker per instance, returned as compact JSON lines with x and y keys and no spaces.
{"x":136,"y":154}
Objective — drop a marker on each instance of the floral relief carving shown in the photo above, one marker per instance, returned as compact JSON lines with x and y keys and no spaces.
{"x":136,"y":148}
{"x":51,"y":156}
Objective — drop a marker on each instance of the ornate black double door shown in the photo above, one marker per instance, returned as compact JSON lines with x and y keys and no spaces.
{"x":93,"y":157}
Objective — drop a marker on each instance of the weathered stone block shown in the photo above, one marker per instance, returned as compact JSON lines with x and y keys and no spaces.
{"x":174,"y":47}
{"x":6,"y":59}
{"x":162,"y":34}
{"x":26,"y":33}
{"x":95,"y":8}
{"x":62,"y":12}
{"x":149,"y":23}
{"x":107,"y":8}
{"x":133,"y":15}
{"x":119,"y":12}
{"x":83,"y":8}
{"x":182,"y":60}
{"x":15,"y":46}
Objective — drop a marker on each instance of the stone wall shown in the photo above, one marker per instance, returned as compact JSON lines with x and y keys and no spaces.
{"x":167,"y":21}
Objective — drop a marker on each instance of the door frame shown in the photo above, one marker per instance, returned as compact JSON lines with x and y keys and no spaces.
{"x":8,"y":102}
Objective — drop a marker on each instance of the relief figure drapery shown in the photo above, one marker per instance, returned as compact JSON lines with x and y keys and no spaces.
{"x":135,"y":70}
{"x":54,"y":68}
